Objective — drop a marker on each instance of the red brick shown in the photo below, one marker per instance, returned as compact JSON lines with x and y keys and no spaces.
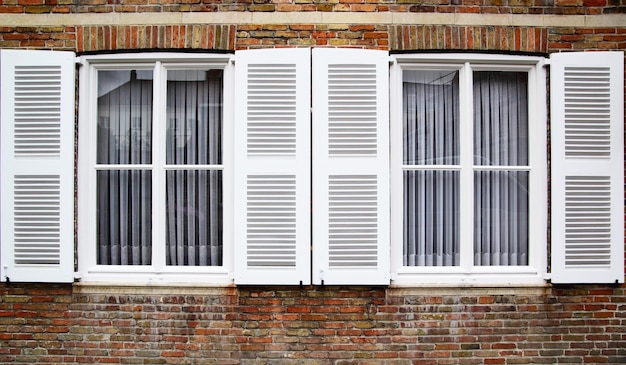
{"x":11,"y":9}
{"x":173,"y":353}
{"x":370,"y":35}
{"x":298,"y":309}
{"x":14,"y":36}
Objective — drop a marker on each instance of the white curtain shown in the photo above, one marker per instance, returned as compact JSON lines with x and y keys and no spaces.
{"x":431,"y":196}
{"x":501,"y":197}
{"x":124,"y":227}
{"x":194,"y":196}
{"x":193,"y":179}
{"x":431,"y":190}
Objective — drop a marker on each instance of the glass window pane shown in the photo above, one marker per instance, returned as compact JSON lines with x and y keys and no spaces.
{"x":501,"y":118}
{"x":500,"y":218}
{"x":194,"y":117}
{"x":124,"y":117}
{"x":431,"y":218}
{"x":194,"y":217}
{"x":124,"y":223}
{"x":430,"y":117}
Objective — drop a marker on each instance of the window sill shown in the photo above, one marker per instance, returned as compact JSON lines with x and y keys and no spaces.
{"x":119,"y":288}
{"x":136,"y":278}
{"x":520,"y":278}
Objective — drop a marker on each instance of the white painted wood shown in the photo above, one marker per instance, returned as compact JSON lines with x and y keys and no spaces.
{"x":37,"y":166}
{"x":350,"y":167}
{"x":587,"y":124}
{"x":467,"y":274}
{"x":272,"y":166}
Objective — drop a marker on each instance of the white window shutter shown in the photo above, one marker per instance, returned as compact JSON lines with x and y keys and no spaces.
{"x":351,"y":167}
{"x":37,"y":166}
{"x":587,"y":124}
{"x":272,"y":166}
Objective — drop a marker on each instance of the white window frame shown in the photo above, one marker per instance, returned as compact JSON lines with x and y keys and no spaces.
{"x":158,"y":272}
{"x":466,"y":274}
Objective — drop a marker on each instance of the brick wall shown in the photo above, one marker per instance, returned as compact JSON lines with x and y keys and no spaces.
{"x":312,"y":325}
{"x":380,"y":36}
{"x":45,"y":37}
{"x":569,"y":7}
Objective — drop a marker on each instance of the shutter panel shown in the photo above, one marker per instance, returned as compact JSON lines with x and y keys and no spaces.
{"x":272,"y":166}
{"x":351,"y":166}
{"x":587,"y":124}
{"x":37,"y":165}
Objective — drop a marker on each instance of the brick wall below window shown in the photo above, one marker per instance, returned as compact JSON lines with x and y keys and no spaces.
{"x":311,"y":325}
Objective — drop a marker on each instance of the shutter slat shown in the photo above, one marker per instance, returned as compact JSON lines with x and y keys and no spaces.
{"x":351,"y":167}
{"x":353,"y":199}
{"x":37,"y":166}
{"x":277,"y":117}
{"x":587,"y":167}
{"x":271,"y":221}
{"x":592,"y":113}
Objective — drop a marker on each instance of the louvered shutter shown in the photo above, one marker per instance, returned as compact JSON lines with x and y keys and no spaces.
{"x":272,"y":166}
{"x":587,"y":123}
{"x":37,"y":165}
{"x":350,"y":166}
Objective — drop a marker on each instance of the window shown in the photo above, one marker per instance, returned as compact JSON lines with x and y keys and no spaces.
{"x":327,"y":168}
{"x":158,"y":167}
{"x":469,"y":201}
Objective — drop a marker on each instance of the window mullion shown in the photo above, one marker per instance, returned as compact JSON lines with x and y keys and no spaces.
{"x":466,"y":142}
{"x":537,"y":164}
{"x":158,"y":172}
{"x":91,"y":156}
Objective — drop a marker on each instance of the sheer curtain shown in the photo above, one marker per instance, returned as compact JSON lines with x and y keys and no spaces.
{"x":501,"y":173}
{"x":193,"y":171}
{"x":194,"y":193}
{"x":501,"y":195}
{"x":431,"y":195}
{"x":124,"y":203}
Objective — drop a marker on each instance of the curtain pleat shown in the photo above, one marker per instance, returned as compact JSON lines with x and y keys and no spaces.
{"x":214,"y":113}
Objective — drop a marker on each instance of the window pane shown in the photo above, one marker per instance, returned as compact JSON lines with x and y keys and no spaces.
{"x":194,"y":218}
{"x":124,"y":211}
{"x":124,"y":117}
{"x":431,"y":117}
{"x":194,"y":117}
{"x":431,"y":218}
{"x":501,"y":118}
{"x":500,"y":218}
